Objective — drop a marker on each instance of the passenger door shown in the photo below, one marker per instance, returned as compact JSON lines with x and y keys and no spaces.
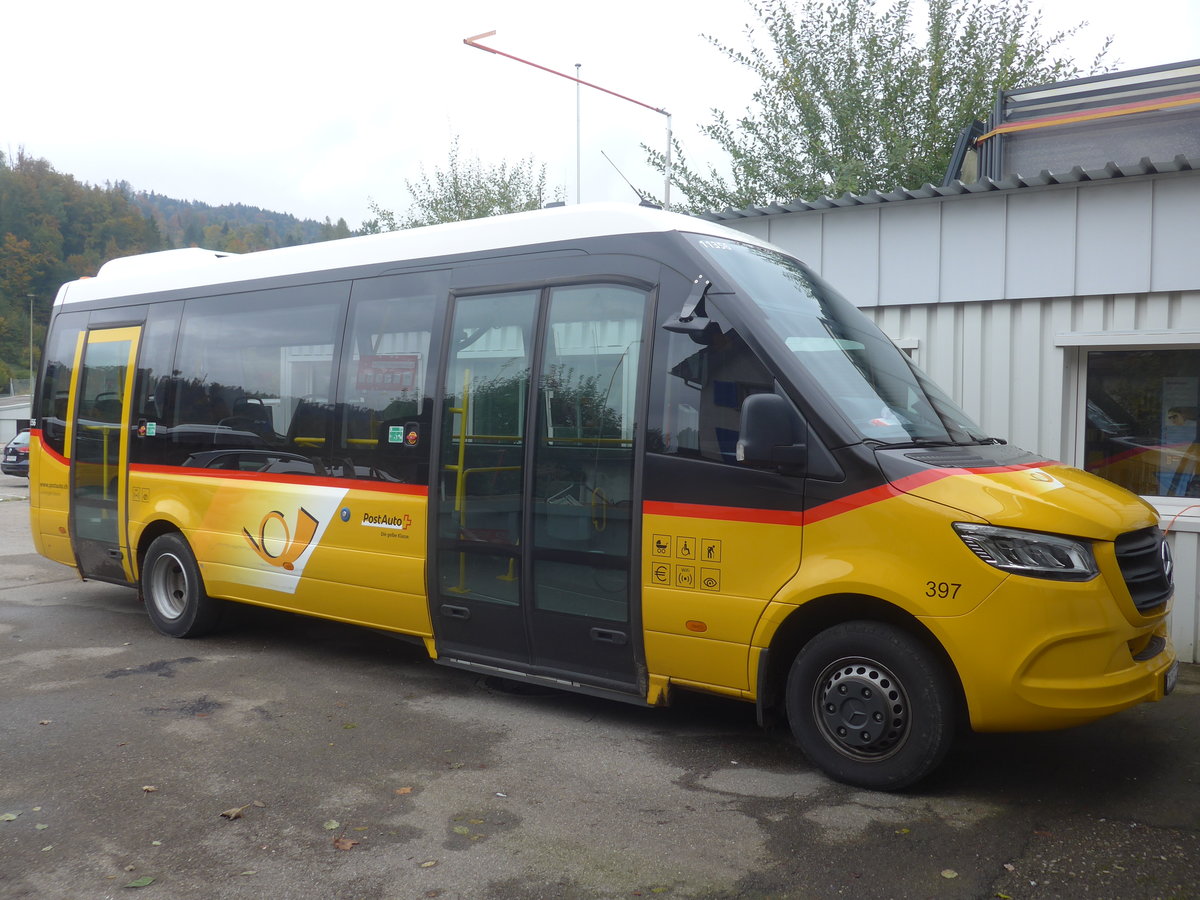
{"x":100,"y":453}
{"x":536,"y":499}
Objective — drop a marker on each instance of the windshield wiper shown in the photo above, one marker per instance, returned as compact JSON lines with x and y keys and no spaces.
{"x":908,"y":445}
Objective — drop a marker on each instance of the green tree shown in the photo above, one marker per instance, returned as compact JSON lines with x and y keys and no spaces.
{"x":466,"y":189}
{"x":853,"y":99}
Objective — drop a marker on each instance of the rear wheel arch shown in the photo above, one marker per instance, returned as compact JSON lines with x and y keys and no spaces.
{"x":147,"y":537}
{"x":172,"y":587}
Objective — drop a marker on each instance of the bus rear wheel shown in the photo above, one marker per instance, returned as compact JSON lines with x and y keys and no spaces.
{"x":173,"y":590}
{"x":870,"y":706}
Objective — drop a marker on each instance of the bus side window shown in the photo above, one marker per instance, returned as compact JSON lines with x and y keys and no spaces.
{"x":56,"y":379}
{"x":696,"y":405}
{"x":384,"y":411}
{"x":153,"y":388}
{"x":251,"y":381}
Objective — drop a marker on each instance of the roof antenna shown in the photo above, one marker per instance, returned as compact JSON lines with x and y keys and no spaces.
{"x":644,"y":198}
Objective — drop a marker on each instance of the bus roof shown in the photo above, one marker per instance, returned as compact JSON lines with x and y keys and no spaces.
{"x":193,"y":267}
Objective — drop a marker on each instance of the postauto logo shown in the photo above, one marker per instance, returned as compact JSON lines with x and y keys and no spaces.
{"x":290,"y":543}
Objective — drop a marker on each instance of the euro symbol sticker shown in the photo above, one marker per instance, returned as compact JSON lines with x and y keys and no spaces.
{"x":294,"y":543}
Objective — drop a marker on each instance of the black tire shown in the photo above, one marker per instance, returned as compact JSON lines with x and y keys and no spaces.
{"x":173,"y":590}
{"x":870,"y":705}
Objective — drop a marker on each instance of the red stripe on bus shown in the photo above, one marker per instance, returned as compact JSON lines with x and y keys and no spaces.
{"x":826,"y":510}
{"x":415,"y":490}
{"x":47,"y":449}
{"x":728,"y":513}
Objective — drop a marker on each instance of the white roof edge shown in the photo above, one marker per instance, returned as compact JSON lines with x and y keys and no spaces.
{"x":169,"y":270}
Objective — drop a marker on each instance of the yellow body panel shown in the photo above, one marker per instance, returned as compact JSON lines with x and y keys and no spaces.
{"x":49,"y":500}
{"x":706,"y":582}
{"x":333,"y":549}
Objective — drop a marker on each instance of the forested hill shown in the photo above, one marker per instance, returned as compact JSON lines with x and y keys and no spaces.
{"x":54,"y":228}
{"x":234,"y":226}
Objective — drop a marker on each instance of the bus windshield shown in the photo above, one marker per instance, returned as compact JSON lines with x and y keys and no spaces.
{"x":885,"y":396}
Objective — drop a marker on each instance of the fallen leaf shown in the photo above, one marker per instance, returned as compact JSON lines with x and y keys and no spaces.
{"x":461,"y":829}
{"x":9,"y":817}
{"x":362,"y":828}
{"x":45,"y":721}
{"x":404,"y":790}
{"x":429,"y":863}
{"x":249,"y":872}
{"x":474,"y":821}
{"x":332,"y":825}
{"x":141,"y":882}
{"x":235,"y":813}
{"x":902,"y":831}
{"x":149,"y":788}
{"x":259,"y":804}
{"x":343,"y":843}
{"x":949,"y":873}
{"x":1009,"y":867}
{"x":41,"y":827}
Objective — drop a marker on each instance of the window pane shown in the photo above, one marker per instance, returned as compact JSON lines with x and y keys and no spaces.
{"x":697,"y":406}
{"x":483,"y":449}
{"x":253,"y":373}
{"x":1141,"y":425}
{"x":56,"y":379}
{"x":384,"y":426}
{"x":583,"y":476}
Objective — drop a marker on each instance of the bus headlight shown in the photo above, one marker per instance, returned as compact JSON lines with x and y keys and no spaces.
{"x":1029,"y":552}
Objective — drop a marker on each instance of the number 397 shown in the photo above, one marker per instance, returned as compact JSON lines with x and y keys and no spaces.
{"x":945,"y":590}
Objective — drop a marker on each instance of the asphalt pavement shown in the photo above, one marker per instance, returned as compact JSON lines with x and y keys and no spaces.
{"x":295,"y":758}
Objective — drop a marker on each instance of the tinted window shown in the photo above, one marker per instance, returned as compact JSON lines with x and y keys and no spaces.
{"x":56,"y":379}
{"x":250,"y":386}
{"x":698,"y":392}
{"x":383,"y":430}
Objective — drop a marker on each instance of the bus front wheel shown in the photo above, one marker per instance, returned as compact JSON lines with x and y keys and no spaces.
{"x":173,"y":590}
{"x":870,"y":706}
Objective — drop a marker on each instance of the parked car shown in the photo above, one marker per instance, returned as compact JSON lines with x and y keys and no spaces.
{"x":16,"y":456}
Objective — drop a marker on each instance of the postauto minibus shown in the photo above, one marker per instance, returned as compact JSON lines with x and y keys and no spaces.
{"x":603,"y":448}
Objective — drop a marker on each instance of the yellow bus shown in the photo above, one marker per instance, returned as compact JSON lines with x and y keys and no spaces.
{"x":602,"y":448}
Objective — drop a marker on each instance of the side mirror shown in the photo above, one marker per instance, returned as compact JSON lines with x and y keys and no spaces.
{"x":772,"y":433}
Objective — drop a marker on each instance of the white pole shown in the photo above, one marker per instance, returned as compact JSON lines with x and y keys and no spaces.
{"x":32,"y":376}
{"x":667,"y":187}
{"x":578,"y":177}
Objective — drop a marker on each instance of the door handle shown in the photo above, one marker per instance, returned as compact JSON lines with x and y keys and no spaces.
{"x":455,"y":612}
{"x":608,"y":636}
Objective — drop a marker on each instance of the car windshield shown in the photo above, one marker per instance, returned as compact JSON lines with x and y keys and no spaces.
{"x":873,"y":382}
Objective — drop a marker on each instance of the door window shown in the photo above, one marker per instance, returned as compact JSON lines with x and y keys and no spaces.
{"x":583,"y":461}
{"x":483,"y":450}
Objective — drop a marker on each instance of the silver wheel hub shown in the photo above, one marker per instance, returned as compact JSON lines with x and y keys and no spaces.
{"x":168,"y":585}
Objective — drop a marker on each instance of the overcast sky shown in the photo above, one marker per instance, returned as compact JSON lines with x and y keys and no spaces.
{"x":316,"y":108}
